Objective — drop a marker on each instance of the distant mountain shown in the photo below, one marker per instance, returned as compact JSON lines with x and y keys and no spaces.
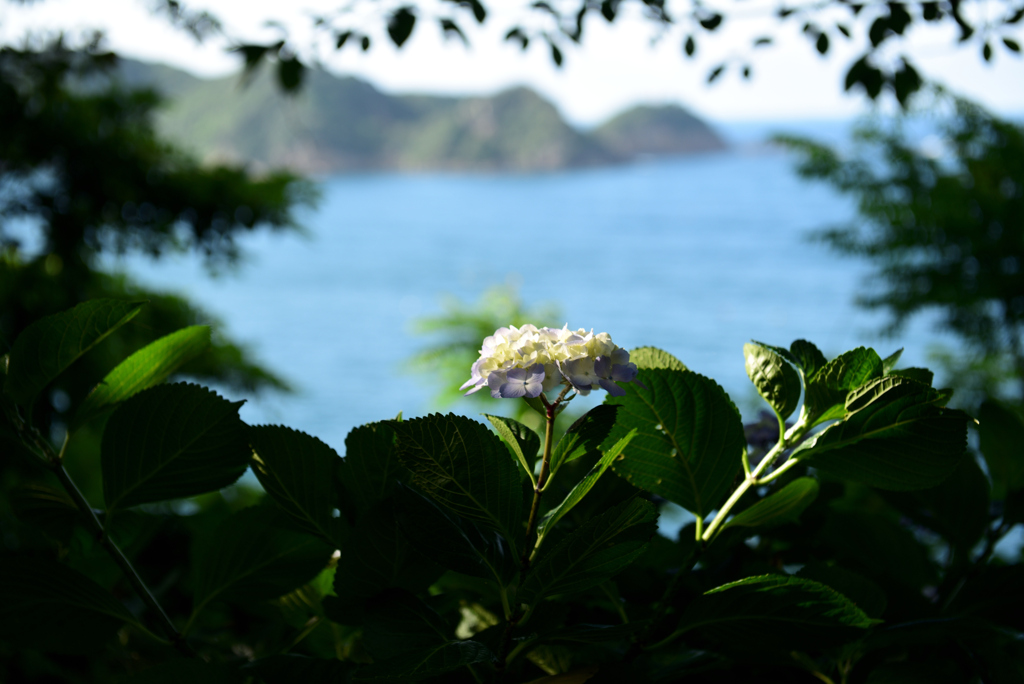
{"x":345,"y":124}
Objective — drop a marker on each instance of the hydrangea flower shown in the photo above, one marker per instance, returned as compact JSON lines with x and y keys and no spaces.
{"x":527,"y":361}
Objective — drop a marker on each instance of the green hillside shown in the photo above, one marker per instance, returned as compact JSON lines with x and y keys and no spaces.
{"x":338,"y":124}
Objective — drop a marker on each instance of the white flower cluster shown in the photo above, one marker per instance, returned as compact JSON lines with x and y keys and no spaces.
{"x":526,"y":361}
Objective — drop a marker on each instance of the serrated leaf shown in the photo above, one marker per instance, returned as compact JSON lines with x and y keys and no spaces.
{"x":427,"y":662}
{"x":592,"y":553}
{"x":775,"y":612}
{"x":689,"y":438}
{"x":147,"y":367}
{"x":50,"y":607}
{"x":522,"y":442}
{"x":864,"y":593}
{"x":297,"y":471}
{"x":51,"y":344}
{"x":457,"y":545}
{"x":922,"y":375}
{"x":825,"y":392}
{"x":783,"y":506}
{"x":584,"y":436}
{"x":1001,"y":433}
{"x":807,"y":357}
{"x":464,"y":467}
{"x":371,"y":466}
{"x":253,"y":556}
{"x":377,"y":557}
{"x":652,"y":357}
{"x":776,"y":381}
{"x":894,"y":438}
{"x":171,"y":441}
{"x":583,"y":486}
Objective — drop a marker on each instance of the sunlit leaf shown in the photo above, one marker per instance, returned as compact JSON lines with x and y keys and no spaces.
{"x":783,"y":506}
{"x":147,"y":367}
{"x":652,"y":357}
{"x":584,"y":436}
{"x":776,"y":380}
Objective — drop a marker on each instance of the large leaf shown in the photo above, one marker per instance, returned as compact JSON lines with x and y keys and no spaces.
{"x":1001,"y":433}
{"x":894,"y":438}
{"x":464,"y":467}
{"x":808,"y":357}
{"x":583,"y":486}
{"x":775,"y":612}
{"x":298,"y":473}
{"x":254,"y":555}
{"x":592,"y":553}
{"x":371,"y":465}
{"x":825,"y":394}
{"x":456,"y":545}
{"x":522,"y":442}
{"x":864,"y":593}
{"x":776,"y":380}
{"x":584,"y":436}
{"x":783,"y":506}
{"x":50,"y":607}
{"x":689,"y":438}
{"x":149,"y":366}
{"x":172,"y":441}
{"x":397,"y":622}
{"x":652,"y":357}
{"x":51,"y":344}
{"x":377,"y":557}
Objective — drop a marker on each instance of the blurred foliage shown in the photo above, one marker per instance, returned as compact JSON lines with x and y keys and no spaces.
{"x":940,"y":226}
{"x":460,"y":330}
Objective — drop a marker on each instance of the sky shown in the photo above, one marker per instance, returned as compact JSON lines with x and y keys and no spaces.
{"x":617,"y":66}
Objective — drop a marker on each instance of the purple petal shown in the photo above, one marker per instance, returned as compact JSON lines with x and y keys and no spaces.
{"x":624,"y":372}
{"x":613,"y":389}
{"x":603,"y":366}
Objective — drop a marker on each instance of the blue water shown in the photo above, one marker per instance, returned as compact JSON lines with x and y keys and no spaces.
{"x":696,"y":255}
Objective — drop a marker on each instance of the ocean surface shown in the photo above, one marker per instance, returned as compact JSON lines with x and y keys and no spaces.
{"x":695,"y":255}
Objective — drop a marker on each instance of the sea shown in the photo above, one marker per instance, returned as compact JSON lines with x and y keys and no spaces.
{"x":696,"y":255}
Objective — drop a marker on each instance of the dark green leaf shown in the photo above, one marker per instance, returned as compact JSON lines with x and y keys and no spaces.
{"x":783,"y":506}
{"x":290,"y":668}
{"x":400,"y":25}
{"x":172,"y":441}
{"x":715,"y":73}
{"x":995,"y":593}
{"x":986,"y":51}
{"x":290,"y":72}
{"x":50,"y":607}
{"x":298,"y":473}
{"x":377,"y":557}
{"x":652,"y":357}
{"x":889,"y":362}
{"x":464,"y":467}
{"x":50,"y":510}
{"x":450,"y":28}
{"x":456,"y":545}
{"x":592,"y":553}
{"x":51,"y":344}
{"x":821,"y":44}
{"x":776,"y":380}
{"x":594,"y":634}
{"x":826,"y":390}
{"x":922,"y":375}
{"x":808,"y":357}
{"x":583,"y":486}
{"x":556,"y":55}
{"x":342,"y":39}
{"x":712,"y":22}
{"x":877,"y":542}
{"x":398,"y":622}
{"x":1001,"y":433}
{"x":522,"y":442}
{"x":1011,"y":44}
{"x":690,"y":438}
{"x":895,"y":437}
{"x":364,"y":42}
{"x":254,"y":556}
{"x":147,"y":367}
{"x":689,"y":47}
{"x":426,"y":662}
{"x":371,"y":465}
{"x":775,"y":612}
{"x":584,"y":436}
{"x":864,"y":593}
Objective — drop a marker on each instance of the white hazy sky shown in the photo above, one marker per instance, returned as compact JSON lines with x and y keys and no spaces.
{"x":617,"y":66}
